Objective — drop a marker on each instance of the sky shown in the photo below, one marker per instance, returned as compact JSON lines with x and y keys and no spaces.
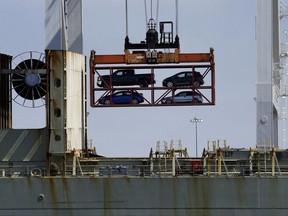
{"x":226,"y":25}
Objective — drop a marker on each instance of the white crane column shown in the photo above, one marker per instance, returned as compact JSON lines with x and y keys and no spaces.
{"x":268,"y":53}
{"x":63,"y":25}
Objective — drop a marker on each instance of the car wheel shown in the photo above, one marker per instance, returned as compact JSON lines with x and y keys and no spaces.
{"x":169,"y":101}
{"x":170,"y":84}
{"x":196,"y":83}
{"x":143,"y":83}
{"x":107,"y":102}
{"x":195,"y":100}
{"x":134,"y":101}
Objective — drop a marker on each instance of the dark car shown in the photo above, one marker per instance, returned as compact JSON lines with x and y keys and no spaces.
{"x":183,"y":79}
{"x":122,"y":97}
{"x":125,"y":77}
{"x":183,"y":97}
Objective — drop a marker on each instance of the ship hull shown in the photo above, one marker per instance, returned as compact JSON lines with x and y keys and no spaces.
{"x":209,"y":196}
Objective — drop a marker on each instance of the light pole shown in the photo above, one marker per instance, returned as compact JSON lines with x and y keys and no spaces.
{"x":196,"y":120}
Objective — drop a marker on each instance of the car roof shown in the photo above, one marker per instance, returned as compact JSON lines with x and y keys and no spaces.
{"x":196,"y":93}
{"x":123,"y":91}
{"x":188,"y":72}
{"x":124,"y":69}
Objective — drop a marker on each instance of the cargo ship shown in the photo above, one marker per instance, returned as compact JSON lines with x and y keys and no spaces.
{"x":53,"y":171}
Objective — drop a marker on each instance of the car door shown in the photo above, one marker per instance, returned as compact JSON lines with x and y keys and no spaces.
{"x":188,"y":78}
{"x":188,"y":97}
{"x":127,"y":97}
{"x":117,"y":97}
{"x":119,"y":78}
{"x":123,"y":98}
{"x":180,"y":79}
{"x":183,"y":97}
{"x":180,"y":97}
{"x":197,"y":97}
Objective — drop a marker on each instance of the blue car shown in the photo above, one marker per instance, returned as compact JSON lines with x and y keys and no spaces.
{"x":122,"y":97}
{"x":183,"y":97}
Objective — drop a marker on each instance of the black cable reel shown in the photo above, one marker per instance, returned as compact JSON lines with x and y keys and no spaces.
{"x":29,"y":80}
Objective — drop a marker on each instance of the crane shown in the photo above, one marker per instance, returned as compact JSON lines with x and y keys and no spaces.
{"x":271,"y":72}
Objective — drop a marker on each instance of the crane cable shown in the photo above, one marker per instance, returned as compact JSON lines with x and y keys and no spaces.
{"x":151,"y":16}
{"x":157,"y":13}
{"x":126,"y":8}
{"x":146,"y":21}
{"x":176,"y":6}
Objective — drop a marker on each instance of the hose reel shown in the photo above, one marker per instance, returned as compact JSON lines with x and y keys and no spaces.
{"x":29,"y":80}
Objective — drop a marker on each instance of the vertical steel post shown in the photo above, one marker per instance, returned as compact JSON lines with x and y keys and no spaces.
{"x":173,"y":163}
{"x":273,"y":162}
{"x":74,"y":165}
{"x":219,"y":156}
{"x":250,"y":160}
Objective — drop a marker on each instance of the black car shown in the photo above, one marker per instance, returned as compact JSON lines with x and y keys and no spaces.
{"x":185,"y":78}
{"x":126,"y":77}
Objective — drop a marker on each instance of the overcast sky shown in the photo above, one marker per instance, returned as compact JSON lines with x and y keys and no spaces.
{"x":226,"y":25}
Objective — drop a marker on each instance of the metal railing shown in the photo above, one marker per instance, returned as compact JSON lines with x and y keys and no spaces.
{"x":213,"y":169}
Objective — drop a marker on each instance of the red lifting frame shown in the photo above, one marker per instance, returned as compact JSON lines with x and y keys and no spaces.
{"x":191,"y":58}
